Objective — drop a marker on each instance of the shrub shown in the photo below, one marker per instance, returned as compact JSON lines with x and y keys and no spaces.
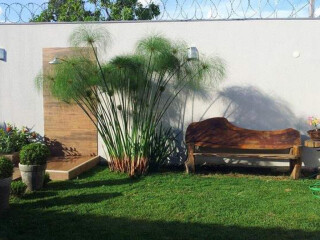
{"x":18,"y":188}
{"x":13,"y":139}
{"x":34,"y":154}
{"x":6,"y":168}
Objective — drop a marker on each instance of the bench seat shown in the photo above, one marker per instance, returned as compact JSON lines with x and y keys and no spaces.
{"x":254,"y":155}
{"x":217,"y":137}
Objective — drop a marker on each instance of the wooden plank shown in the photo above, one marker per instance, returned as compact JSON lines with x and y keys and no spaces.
{"x":68,"y":130}
{"x":219,"y":133}
{"x":234,"y":155}
{"x":312,"y":144}
{"x":70,"y":167}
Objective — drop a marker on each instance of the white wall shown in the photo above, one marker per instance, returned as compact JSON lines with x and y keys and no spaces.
{"x":265,"y":88}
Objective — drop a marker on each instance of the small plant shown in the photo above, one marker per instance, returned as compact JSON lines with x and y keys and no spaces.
{"x":6,"y":171}
{"x":18,"y":188}
{"x":6,"y":168}
{"x":33,"y":159}
{"x":12,"y":139}
{"x":34,"y":154}
{"x":314,"y":122}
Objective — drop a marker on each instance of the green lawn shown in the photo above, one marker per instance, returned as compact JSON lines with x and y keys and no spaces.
{"x":171,"y":205}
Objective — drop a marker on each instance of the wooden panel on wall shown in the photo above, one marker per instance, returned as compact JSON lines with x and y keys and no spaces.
{"x":68,"y":129}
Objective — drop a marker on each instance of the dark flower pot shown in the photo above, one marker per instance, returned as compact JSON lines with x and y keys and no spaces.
{"x":314,"y":134}
{"x":4,"y":193}
{"x":33,"y":176}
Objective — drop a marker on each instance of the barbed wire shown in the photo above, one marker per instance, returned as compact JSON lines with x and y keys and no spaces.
{"x":182,"y":10}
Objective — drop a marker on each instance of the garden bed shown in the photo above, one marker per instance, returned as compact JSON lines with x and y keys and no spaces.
{"x":172,"y":205}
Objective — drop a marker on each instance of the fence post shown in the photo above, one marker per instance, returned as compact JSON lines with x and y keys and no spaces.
{"x":311,"y":8}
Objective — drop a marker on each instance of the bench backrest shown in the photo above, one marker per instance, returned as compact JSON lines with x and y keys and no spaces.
{"x":220,"y":133}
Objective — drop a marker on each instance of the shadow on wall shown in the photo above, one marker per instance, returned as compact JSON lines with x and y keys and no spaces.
{"x":245,"y":106}
{"x":251,"y":108}
{"x":176,"y":113}
{"x":175,"y":117}
{"x":59,"y":149}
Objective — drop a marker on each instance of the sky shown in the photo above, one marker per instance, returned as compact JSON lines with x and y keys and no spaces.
{"x":202,"y":9}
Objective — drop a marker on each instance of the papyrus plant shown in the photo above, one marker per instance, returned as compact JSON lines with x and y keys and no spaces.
{"x":127,"y":97}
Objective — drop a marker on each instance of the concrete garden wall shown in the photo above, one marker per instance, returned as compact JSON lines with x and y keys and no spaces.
{"x":272,"y":77}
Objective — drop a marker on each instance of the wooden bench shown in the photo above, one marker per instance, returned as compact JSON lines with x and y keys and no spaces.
{"x":217,"y":137}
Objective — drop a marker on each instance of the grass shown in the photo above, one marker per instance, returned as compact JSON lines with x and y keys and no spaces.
{"x":169,"y":205}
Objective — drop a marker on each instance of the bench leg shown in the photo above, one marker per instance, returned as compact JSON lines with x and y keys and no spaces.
{"x":295,"y":174}
{"x":190,"y":165}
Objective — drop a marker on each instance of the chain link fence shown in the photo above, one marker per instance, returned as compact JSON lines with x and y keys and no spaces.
{"x":174,"y":10}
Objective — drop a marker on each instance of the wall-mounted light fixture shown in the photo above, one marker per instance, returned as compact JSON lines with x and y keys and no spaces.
{"x":296,"y":54}
{"x":193,"y":53}
{"x":3,"y":55}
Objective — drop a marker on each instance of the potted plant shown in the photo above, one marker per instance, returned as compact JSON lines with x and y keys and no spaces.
{"x":314,"y":133}
{"x":6,"y":171}
{"x":33,"y":163}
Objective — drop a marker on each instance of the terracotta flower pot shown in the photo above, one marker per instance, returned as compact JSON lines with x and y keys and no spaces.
{"x":4,"y":193}
{"x":33,"y":176}
{"x":314,"y":134}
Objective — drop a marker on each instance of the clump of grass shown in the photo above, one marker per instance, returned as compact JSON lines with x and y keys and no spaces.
{"x":18,"y":188}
